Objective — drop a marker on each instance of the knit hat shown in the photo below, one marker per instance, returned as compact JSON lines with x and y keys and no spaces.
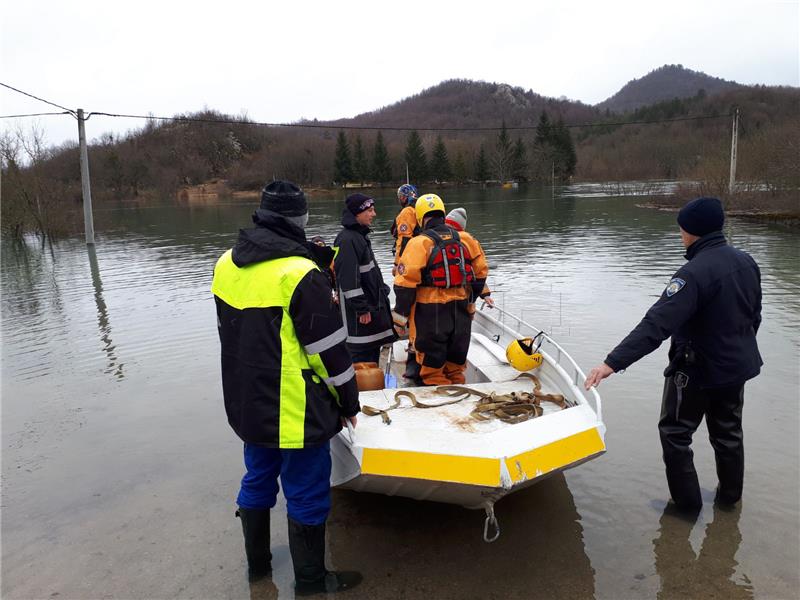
{"x":358,"y":203}
{"x":284,"y":198}
{"x":701,"y":216}
{"x":457,"y":218}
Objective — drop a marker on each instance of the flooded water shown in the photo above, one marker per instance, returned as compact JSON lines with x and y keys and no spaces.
{"x":120,"y":471}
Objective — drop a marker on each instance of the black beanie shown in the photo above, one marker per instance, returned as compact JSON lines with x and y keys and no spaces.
{"x":284,"y":198}
{"x":701,"y":216}
{"x":358,"y":203}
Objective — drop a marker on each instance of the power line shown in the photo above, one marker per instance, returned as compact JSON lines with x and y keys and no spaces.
{"x":389,"y":128}
{"x":72,"y":112}
{"x":34,"y":115}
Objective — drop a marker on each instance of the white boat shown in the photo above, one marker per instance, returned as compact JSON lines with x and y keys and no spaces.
{"x":443,"y":454}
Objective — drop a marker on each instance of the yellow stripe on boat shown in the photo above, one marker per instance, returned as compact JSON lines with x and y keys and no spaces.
{"x":539,"y":461}
{"x":475,"y":470}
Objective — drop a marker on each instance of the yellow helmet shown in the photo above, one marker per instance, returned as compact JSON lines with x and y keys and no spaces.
{"x":427,"y":204}
{"x":523,"y":356}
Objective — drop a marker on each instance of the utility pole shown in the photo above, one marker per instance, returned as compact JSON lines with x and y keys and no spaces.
{"x":734,"y":141}
{"x":86,"y":186}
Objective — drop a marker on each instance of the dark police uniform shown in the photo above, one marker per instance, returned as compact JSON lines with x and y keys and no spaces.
{"x":362,"y":291}
{"x":712,"y":310}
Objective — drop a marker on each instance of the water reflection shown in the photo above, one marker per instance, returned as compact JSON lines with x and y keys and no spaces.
{"x":427,"y":550}
{"x":708,"y":574}
{"x":114,"y":366}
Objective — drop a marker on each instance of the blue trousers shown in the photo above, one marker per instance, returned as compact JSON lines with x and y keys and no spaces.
{"x":304,"y":472}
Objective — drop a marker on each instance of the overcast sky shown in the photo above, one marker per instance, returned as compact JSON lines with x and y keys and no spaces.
{"x":281,"y":61}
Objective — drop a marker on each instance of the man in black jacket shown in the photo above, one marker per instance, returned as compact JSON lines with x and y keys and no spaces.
{"x":287,"y":381}
{"x":363,"y":295}
{"x":712,"y":309}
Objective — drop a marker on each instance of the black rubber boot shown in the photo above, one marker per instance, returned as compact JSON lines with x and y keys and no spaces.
{"x":255,"y":526}
{"x":307,"y":546}
{"x":412,"y":367}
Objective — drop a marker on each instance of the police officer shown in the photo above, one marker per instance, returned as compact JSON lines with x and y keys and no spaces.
{"x":364,"y":296}
{"x":439,"y":276}
{"x":712,"y":309}
{"x":287,"y":381}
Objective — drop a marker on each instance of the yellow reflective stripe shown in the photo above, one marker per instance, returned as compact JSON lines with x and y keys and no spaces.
{"x":555,"y":456}
{"x":263,"y":284}
{"x":474,"y":470}
{"x":293,"y":388}
{"x":437,"y":467}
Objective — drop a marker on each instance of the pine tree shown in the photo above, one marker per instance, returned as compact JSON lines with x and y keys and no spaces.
{"x":542,"y":130}
{"x":440,"y":164}
{"x":460,"y":169}
{"x":342,"y":165}
{"x":519,"y":161}
{"x":565,"y":157}
{"x":503,"y":154}
{"x":481,"y":166}
{"x":360,"y":166}
{"x":415,"y":158}
{"x":381,"y":167}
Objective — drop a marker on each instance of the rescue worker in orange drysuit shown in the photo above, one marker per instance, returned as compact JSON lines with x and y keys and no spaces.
{"x":404,"y":227}
{"x":439,"y":275}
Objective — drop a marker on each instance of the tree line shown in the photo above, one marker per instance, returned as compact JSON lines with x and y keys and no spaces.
{"x":550,"y":154}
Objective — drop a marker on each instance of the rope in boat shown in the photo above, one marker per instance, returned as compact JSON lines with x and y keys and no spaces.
{"x":512,"y":407}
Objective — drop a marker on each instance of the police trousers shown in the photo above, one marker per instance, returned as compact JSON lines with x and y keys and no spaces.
{"x":441,"y":336}
{"x":682,"y":410}
{"x":304,"y":472}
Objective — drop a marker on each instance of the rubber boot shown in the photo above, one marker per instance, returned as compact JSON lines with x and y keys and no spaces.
{"x":307,"y":546}
{"x":255,"y":526}
{"x":412,"y":368}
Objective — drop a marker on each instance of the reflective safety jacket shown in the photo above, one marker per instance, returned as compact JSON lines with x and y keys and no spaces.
{"x":361,"y":287}
{"x":408,"y":283}
{"x":712,"y":309}
{"x":403,"y":229}
{"x":287,"y":378}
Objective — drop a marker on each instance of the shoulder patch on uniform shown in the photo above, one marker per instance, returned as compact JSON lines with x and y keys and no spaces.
{"x":675,"y":285}
{"x":401,"y":268}
{"x":403,"y":228}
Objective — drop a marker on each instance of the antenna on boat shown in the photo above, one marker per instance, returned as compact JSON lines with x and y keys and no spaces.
{"x":407,"y":179}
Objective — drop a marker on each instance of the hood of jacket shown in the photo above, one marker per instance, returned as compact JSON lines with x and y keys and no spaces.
{"x":275,"y":237}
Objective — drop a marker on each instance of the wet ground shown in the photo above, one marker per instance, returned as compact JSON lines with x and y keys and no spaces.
{"x":119,"y":471}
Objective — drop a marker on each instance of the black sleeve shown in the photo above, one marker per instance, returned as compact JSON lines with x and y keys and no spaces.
{"x":348,"y":277}
{"x":757,"y":315}
{"x":318,"y":324}
{"x":404,"y":300}
{"x":671,"y":311}
{"x":477,"y":289}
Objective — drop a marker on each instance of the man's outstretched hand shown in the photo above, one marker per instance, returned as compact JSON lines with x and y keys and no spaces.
{"x":597,"y":375}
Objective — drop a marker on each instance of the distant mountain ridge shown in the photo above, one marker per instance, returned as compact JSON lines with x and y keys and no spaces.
{"x":664,"y":83}
{"x":464,"y":103}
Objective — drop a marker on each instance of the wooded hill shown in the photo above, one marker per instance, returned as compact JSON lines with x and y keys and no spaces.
{"x":664,"y":83}
{"x":163,"y":156}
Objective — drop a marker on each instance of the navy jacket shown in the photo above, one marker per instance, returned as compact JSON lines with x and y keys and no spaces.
{"x":361,"y":287}
{"x":712,"y":309}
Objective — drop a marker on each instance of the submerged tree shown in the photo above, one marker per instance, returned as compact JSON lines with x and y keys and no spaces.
{"x":381,"y":167}
{"x":519,"y":161}
{"x":554,"y":149}
{"x":481,"y":166}
{"x":440,"y":163}
{"x":360,"y":165}
{"x":416,"y":159}
{"x":503,"y":155}
{"x":342,"y":165}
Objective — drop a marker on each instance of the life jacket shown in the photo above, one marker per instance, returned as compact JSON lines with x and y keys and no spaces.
{"x":449,"y":263}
